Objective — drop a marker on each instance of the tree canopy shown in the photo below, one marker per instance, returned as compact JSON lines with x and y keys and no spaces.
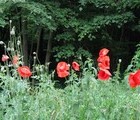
{"x":77,"y":29}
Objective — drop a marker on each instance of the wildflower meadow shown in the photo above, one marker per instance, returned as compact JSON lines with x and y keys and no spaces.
{"x":91,"y":91}
{"x":69,"y":60}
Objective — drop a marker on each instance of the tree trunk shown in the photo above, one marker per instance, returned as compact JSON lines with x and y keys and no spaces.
{"x":25,"y":42}
{"x":39,"y":36}
{"x":49,"y":47}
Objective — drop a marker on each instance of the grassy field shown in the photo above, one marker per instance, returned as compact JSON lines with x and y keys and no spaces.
{"x":84,"y":98}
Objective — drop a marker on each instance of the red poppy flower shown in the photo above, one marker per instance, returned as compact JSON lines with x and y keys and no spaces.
{"x":103,"y":58}
{"x":62,"y":66}
{"x":62,"y":69}
{"x":104,"y":62}
{"x":15,"y":60}
{"x":134,"y":79}
{"x":4,"y":58}
{"x":104,"y":65}
{"x":75,"y":66}
{"x":63,"y":74}
{"x":104,"y":74}
{"x":24,"y":71}
{"x":131,"y":81}
{"x":103,"y":52}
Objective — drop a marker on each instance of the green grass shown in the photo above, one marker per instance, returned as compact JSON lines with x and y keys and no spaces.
{"x":88,"y":99}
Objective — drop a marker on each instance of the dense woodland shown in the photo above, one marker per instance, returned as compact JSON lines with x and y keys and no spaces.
{"x":72,"y":29}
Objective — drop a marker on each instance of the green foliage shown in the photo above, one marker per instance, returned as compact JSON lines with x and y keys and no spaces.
{"x":131,"y":4}
{"x":64,"y":52}
{"x":38,"y":14}
{"x":69,"y":51}
{"x":100,"y":22}
{"x":83,"y":53}
{"x":135,"y":62}
{"x":87,"y":98}
{"x":67,"y":36}
{"x":2,"y":22}
{"x":136,"y":27}
{"x":77,"y":26}
{"x":90,"y":98}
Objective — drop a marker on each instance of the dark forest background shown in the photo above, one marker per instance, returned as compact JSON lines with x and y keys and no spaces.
{"x":73,"y":29}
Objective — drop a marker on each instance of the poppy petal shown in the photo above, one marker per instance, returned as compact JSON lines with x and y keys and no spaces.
{"x":104,"y":74}
{"x":131,"y":81}
{"x":24,"y":71}
{"x":62,"y":69}
{"x":75,"y":66}
{"x":103,"y":52}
